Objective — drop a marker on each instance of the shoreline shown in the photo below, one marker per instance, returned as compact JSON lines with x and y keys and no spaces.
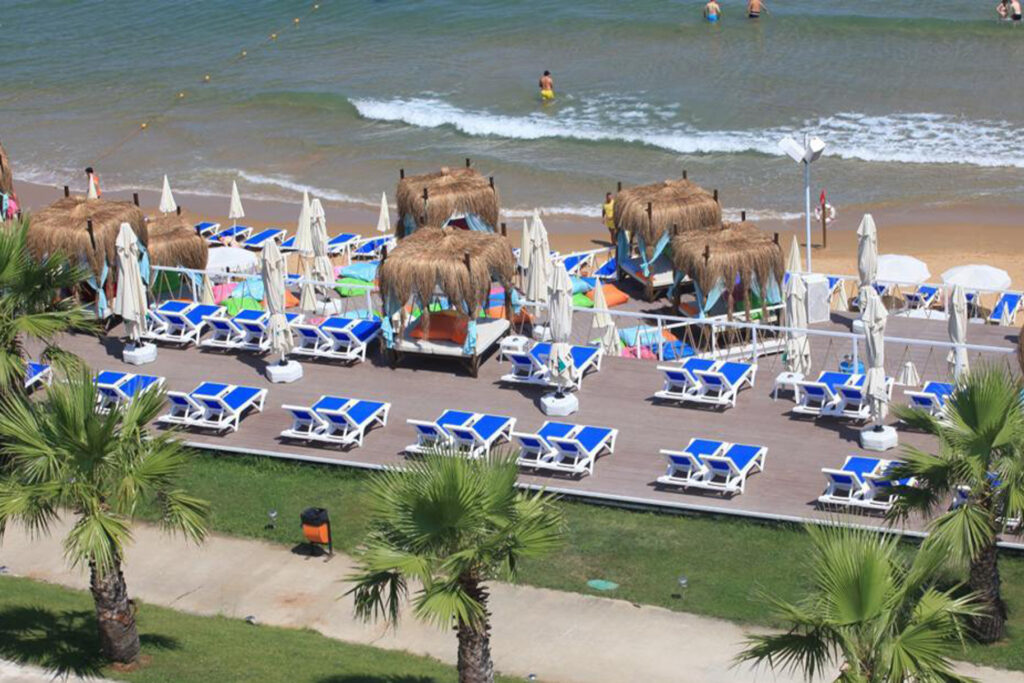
{"x":942,"y":236}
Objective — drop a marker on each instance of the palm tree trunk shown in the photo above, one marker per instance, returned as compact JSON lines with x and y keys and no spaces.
{"x":475,"y":665}
{"x":990,"y":625}
{"x":115,"y":618}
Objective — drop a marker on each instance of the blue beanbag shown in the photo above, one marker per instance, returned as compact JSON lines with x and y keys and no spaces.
{"x":364,"y":270}
{"x":582,"y":285}
{"x":647,"y":336}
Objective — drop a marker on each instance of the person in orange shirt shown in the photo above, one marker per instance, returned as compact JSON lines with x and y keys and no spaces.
{"x":91,"y":175}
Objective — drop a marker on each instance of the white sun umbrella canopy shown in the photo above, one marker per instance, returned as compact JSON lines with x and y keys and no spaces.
{"x":874,"y":316}
{"x":526,"y":246}
{"x":130,"y":302}
{"x":538,"y":274}
{"x":235,"y":211}
{"x":793,"y":262}
{"x":957,"y":326}
{"x":384,"y":217}
{"x":977,"y":276}
{"x":232,"y":260}
{"x":901,"y":268}
{"x":867,"y":250}
{"x":798,"y":348}
{"x":304,"y":229}
{"x":273,"y":289}
{"x":206,"y":295}
{"x":603,"y":327}
{"x":323,"y":270}
{"x":560,"y":324}
{"x":167,"y":203}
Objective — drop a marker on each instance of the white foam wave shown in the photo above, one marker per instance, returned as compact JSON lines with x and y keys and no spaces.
{"x":295,"y":186}
{"x":920,"y":138}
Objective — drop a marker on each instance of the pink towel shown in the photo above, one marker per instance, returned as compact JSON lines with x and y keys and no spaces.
{"x":223,"y":291}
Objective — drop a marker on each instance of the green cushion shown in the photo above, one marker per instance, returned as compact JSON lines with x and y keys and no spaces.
{"x":246,"y":303}
{"x":581,"y":300}
{"x":344,"y":291}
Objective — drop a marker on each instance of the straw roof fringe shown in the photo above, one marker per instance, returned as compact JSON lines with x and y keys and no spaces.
{"x":737,"y":250}
{"x":679,"y":203}
{"x":61,"y":227}
{"x":449,"y":191}
{"x":432,"y":260}
{"x":6,"y":174}
{"x":174,"y":242}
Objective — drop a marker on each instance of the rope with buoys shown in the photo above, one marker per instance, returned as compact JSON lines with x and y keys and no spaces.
{"x":182,"y":95}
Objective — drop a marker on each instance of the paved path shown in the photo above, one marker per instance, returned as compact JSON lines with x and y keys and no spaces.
{"x":558,"y":636}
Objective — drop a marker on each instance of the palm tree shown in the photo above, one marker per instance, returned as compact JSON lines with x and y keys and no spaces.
{"x":451,"y":524}
{"x":872,"y":613}
{"x":66,"y":457}
{"x":33,"y":304}
{"x":980,"y":464}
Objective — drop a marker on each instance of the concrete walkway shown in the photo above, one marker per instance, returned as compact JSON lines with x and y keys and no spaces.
{"x":558,"y":636}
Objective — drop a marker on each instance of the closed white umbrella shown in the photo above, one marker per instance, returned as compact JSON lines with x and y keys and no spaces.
{"x":560,"y":324}
{"x":384,"y":218}
{"x":538,"y":274}
{"x":977,"y":276}
{"x":167,"y":203}
{"x":793,"y":262}
{"x":798,"y":348}
{"x":235,"y":211}
{"x":130,"y":302}
{"x":867,"y":250}
{"x":322,"y":268}
{"x":273,"y":289}
{"x":304,"y":229}
{"x":604,"y":329}
{"x":92,"y":193}
{"x":206,"y":296}
{"x":957,"y":325}
{"x":874,"y":316}
{"x":526,"y":246}
{"x":901,"y":268}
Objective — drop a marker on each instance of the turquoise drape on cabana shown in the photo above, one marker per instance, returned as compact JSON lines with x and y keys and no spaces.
{"x":705,"y":302}
{"x":621,"y":247}
{"x":478,"y":224}
{"x":102,"y":309}
{"x":659,"y":247}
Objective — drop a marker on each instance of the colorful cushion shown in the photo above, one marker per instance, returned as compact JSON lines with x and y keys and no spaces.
{"x":445,"y":326}
{"x":582,"y":285}
{"x":364,"y":270}
{"x":233,"y":306}
{"x":344,"y":291}
{"x":613,"y":296}
{"x":581,"y":300}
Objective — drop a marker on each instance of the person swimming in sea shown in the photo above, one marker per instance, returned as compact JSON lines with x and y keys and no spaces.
{"x":547,"y":87}
{"x":755,"y":8}
{"x":1009,"y":10}
{"x":712,"y":11}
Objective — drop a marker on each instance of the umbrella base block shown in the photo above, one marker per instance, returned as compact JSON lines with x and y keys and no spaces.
{"x":283,"y":374}
{"x":552,"y":404}
{"x":139,"y":354}
{"x":884,"y":440}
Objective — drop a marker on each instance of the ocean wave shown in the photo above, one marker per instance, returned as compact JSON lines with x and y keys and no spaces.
{"x":918,"y":138}
{"x":292,"y":185}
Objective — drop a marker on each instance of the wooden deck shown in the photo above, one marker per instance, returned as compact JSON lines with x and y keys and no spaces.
{"x":620,"y":395}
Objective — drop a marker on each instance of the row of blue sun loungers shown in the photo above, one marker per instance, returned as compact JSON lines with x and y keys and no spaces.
{"x":114,"y":388}
{"x":531,"y":367}
{"x":468,"y":433}
{"x":359,"y":247}
{"x":932,"y":397}
{"x":213,"y":405}
{"x":835,"y":394}
{"x":713,"y":465}
{"x":334,"y":420}
{"x":862,"y":482}
{"x":705,"y":381}
{"x":563,"y":447}
{"x":178,"y":322}
{"x":342,"y":339}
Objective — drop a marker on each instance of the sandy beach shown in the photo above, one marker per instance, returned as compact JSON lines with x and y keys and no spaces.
{"x":941,"y":236}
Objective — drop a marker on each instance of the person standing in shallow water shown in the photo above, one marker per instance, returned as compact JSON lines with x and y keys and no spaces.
{"x":712,"y":11}
{"x":755,"y":8}
{"x":547,"y":87}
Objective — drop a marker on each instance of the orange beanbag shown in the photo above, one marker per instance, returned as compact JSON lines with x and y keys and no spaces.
{"x":445,"y":326}
{"x":613,"y":296}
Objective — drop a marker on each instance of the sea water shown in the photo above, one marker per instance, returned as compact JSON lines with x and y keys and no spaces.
{"x":919,"y":101}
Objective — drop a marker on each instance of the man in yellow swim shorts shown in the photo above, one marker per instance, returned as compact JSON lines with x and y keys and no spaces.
{"x":608,"y":215}
{"x":547,"y":87}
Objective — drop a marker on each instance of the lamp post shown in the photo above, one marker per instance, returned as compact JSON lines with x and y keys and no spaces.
{"x":805,"y":154}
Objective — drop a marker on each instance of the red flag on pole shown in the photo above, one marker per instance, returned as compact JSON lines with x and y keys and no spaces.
{"x":821,"y":200}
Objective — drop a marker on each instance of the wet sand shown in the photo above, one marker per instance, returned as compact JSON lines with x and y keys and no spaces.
{"x":941,"y":236}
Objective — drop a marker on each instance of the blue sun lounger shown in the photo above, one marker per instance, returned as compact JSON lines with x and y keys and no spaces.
{"x":686,"y":467}
{"x":576,"y":452}
{"x":476,"y":438}
{"x":334,"y":420}
{"x":531,"y":367}
{"x":535,"y":447}
{"x":719,"y":386}
{"x":254,"y":327}
{"x":817,"y":397}
{"x":608,"y":270}
{"x":207,"y":228}
{"x":574,"y":262}
{"x":238,"y":233}
{"x":1006,"y":309}
{"x":372,"y":247}
{"x":258,"y":240}
{"x":344,"y":339}
{"x":182,"y":327}
{"x":213,"y":405}
{"x":861,"y":482}
{"x":680,"y":382}
{"x":233,"y":333}
{"x":341,"y":244}
{"x":923,"y":297}
{"x":156,"y":323}
{"x":853,"y":401}
{"x":435,"y":435}
{"x":37,"y":374}
{"x":932,"y":397}
{"x":114,"y":388}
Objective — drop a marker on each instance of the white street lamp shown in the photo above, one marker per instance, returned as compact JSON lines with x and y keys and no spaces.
{"x":805,"y":154}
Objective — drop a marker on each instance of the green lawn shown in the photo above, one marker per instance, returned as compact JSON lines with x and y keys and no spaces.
{"x":726,"y":560}
{"x":55,"y":628}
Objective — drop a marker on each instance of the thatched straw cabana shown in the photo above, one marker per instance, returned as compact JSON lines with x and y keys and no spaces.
{"x":716,"y":260}
{"x":6,"y":174}
{"x":63,"y":227}
{"x":174,"y":242}
{"x":676,"y":206}
{"x":433,"y":198}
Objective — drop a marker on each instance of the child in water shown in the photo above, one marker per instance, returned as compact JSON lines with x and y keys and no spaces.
{"x":712,"y":11}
